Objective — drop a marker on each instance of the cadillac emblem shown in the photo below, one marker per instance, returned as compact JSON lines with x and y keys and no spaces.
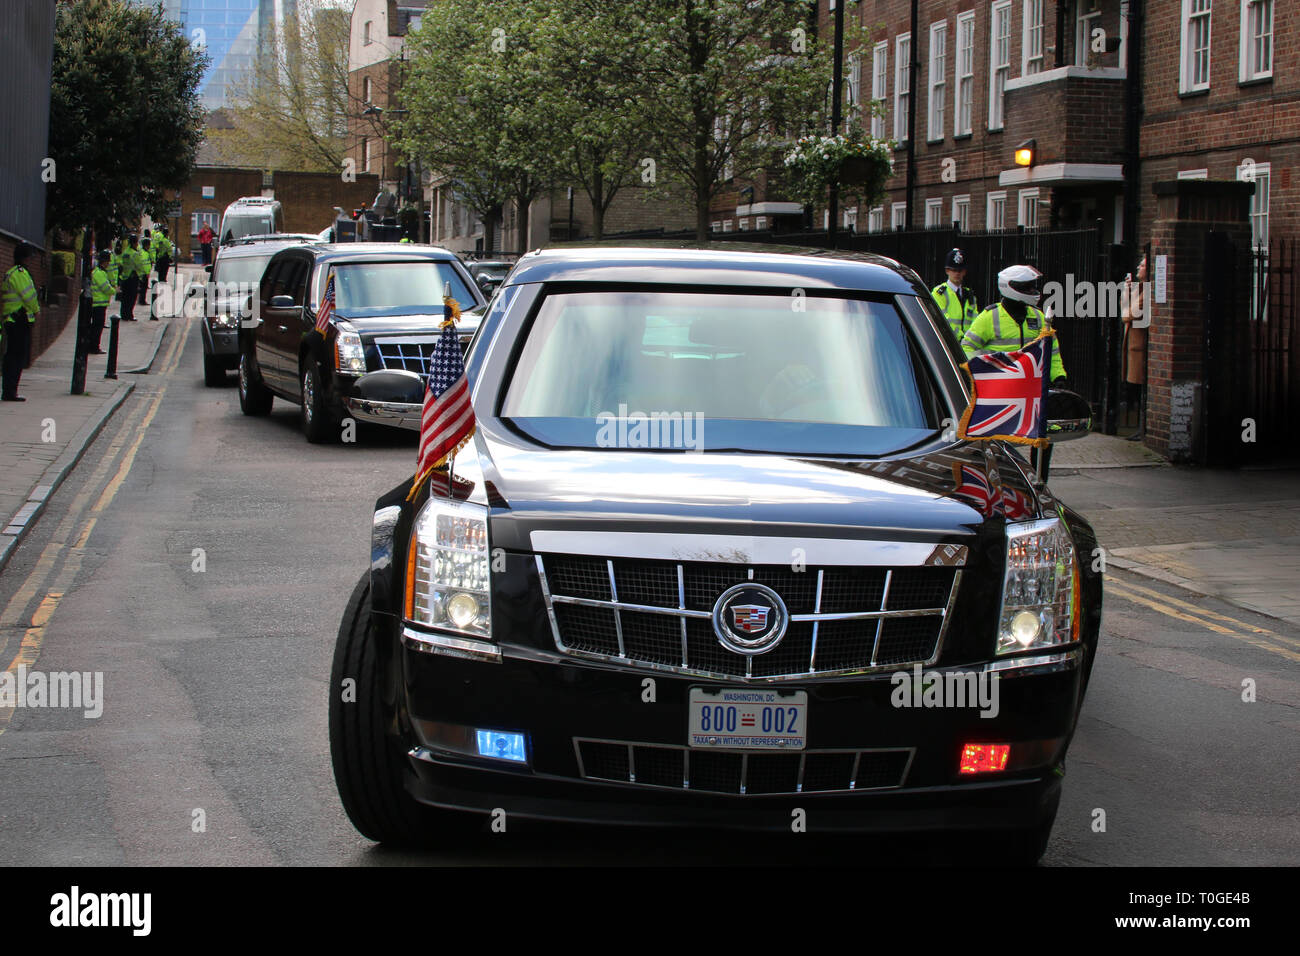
{"x":750,"y":618}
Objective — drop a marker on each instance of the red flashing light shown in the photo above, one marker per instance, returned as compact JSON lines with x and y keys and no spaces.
{"x":985,"y":758}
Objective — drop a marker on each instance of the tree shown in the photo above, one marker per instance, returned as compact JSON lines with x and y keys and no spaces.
{"x":292,"y":111}
{"x":125,"y":123}
{"x":471,"y":91}
{"x":728,"y":81}
{"x":592,"y":81}
{"x":125,"y":117}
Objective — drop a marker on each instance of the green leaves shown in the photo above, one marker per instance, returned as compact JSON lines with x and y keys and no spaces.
{"x":125,"y":118}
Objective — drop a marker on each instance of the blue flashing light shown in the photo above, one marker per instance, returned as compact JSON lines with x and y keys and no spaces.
{"x":500,"y":745}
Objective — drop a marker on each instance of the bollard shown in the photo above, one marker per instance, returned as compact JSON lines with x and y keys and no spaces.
{"x":110,"y":370}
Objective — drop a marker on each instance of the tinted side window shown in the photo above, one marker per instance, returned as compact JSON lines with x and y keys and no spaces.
{"x":294,"y":276}
{"x":273,"y":272}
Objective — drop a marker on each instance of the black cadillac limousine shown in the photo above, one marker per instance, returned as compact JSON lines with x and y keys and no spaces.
{"x":715,"y":558}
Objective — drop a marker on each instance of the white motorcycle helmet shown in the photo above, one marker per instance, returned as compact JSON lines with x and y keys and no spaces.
{"x":1021,"y":283}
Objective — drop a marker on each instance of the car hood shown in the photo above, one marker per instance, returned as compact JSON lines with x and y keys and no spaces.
{"x":942,"y":496}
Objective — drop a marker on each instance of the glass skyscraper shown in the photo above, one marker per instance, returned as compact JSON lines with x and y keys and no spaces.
{"x":233,"y":33}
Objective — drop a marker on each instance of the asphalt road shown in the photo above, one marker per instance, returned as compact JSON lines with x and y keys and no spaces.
{"x":215,"y":680}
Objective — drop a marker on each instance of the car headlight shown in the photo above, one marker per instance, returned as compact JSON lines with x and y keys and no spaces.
{"x":350,"y":354}
{"x":448,"y":570}
{"x":1040,"y":590}
{"x":224,"y":320}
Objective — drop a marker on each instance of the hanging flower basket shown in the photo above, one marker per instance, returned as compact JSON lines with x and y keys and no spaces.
{"x":861,"y":165}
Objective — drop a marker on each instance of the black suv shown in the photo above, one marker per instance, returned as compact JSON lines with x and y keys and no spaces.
{"x":715,"y":558}
{"x":372,"y":360}
{"x":233,"y":280}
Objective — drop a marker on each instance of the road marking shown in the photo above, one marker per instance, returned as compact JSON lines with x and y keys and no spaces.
{"x":1206,"y":612}
{"x":1168,"y":611}
{"x":33,"y":638}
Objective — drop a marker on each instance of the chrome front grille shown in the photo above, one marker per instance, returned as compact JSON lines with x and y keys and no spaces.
{"x":751,"y":773}
{"x":658,"y":614}
{"x":410,"y":354}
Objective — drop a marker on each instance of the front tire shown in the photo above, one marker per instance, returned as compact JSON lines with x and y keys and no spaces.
{"x":254,"y":397}
{"x":369,"y":765}
{"x":214,"y":373}
{"x":315,"y":418}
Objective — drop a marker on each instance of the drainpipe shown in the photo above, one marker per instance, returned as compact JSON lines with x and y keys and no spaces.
{"x":913,"y":69}
{"x":837,"y":98}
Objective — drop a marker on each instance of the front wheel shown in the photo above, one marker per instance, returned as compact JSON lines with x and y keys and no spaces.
{"x":254,"y":397}
{"x":315,"y":419}
{"x":369,"y":765}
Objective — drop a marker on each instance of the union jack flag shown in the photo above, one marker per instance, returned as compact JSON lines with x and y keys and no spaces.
{"x":326,"y":306}
{"x":447,"y":421}
{"x":973,"y":488}
{"x":1010,"y":393}
{"x":1015,"y":504}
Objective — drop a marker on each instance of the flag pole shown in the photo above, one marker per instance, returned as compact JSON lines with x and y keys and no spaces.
{"x":451,"y":459}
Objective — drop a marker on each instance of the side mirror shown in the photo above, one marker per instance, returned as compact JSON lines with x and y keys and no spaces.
{"x":281,"y":302}
{"x":1069,"y":415}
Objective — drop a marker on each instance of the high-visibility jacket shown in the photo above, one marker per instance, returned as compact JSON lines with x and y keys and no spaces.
{"x":114,"y":268}
{"x":994,"y":330}
{"x":162,"y":247}
{"x":136,"y":262}
{"x":101,"y":287}
{"x":959,"y":316}
{"x":18,"y":293}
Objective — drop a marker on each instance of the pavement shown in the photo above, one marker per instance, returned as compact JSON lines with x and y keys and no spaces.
{"x":42,"y":439}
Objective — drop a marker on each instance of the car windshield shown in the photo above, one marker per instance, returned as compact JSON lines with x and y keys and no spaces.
{"x":240,"y":268}
{"x":388,"y":288}
{"x":248,"y":224}
{"x":759,"y":372}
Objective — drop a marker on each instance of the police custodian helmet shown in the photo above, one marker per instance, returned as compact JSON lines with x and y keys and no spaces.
{"x":956,"y":259}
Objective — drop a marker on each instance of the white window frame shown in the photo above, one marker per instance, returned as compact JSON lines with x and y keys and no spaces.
{"x":1193,"y":174}
{"x":1259,"y":220}
{"x":1027,"y":199}
{"x":996,"y":201}
{"x":366,"y":154}
{"x":853,"y":84}
{"x":1187,"y":82}
{"x":366,"y":39}
{"x":933,"y":213}
{"x":876,"y":219}
{"x":902,"y":85}
{"x":1032,"y":57}
{"x":850,"y":217}
{"x":937,"y":75}
{"x":1254,"y":48}
{"x":999,"y":61}
{"x":961,"y":211}
{"x":760,"y":223}
{"x":728,"y":225}
{"x":898,"y":215}
{"x":879,"y":85}
{"x":1085,"y":21}
{"x":366,"y":90}
{"x":743,"y":224}
{"x":964,"y":107}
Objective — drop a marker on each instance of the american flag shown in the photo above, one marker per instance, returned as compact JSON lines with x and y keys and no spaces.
{"x":1010,"y":393}
{"x":326,"y":306}
{"x":447,"y":421}
{"x":973,"y":488}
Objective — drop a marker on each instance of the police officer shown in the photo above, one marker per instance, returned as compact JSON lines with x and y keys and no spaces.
{"x":956,"y":299}
{"x":101,"y":293}
{"x":18,"y":310}
{"x":1013,"y":323}
{"x":114,"y":267}
{"x":130,"y":278}
{"x":163,"y":248}
{"x":146,"y":259}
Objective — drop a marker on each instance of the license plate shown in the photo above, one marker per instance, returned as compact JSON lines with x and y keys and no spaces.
{"x":744,"y":718}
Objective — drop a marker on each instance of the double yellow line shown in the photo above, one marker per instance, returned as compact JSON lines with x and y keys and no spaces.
{"x":1255,"y":636}
{"x":81,"y":512}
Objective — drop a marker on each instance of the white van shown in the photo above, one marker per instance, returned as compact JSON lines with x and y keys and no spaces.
{"x":250,"y":216}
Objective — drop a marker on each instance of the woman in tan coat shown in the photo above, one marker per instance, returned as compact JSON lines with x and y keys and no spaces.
{"x":1135,"y":343}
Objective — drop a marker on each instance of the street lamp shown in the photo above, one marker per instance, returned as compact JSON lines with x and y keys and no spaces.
{"x":1025,"y":152}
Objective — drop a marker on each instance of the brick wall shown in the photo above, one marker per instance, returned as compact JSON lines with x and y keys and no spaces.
{"x":228,"y":183}
{"x":383,"y":82}
{"x":308,"y":199}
